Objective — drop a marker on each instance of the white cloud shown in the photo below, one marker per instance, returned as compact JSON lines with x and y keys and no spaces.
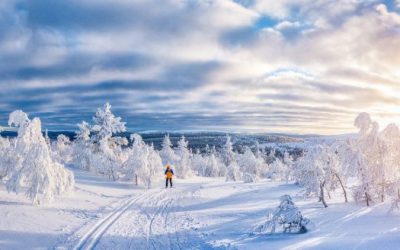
{"x":345,"y":62}
{"x":287,"y":25}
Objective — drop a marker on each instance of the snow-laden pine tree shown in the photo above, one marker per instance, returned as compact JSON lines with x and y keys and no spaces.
{"x":277,"y":170}
{"x":5,"y":158}
{"x":233,"y":172}
{"x":212,"y":163}
{"x":198,"y":163}
{"x":249,"y":166}
{"x":229,"y":159}
{"x":34,"y":170}
{"x":104,"y":157}
{"x":144,"y":164}
{"x":227,"y":155}
{"x":106,"y":124}
{"x":82,"y":147}
{"x":221,"y":166}
{"x":286,"y":218}
{"x":62,"y":149}
{"x":262,"y":165}
{"x":288,"y":161}
{"x":167,"y":154}
{"x":183,"y":166}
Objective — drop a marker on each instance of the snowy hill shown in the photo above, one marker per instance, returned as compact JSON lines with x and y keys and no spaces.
{"x":197,"y":139}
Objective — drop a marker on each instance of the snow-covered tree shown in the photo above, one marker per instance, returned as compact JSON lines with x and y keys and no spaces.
{"x":183,"y":159}
{"x":167,"y":153}
{"x":34,"y":169}
{"x":286,"y":218}
{"x":369,"y":160}
{"x":233,"y":172}
{"x":106,"y":124}
{"x":288,"y":162}
{"x":390,"y":172}
{"x":212,"y":163}
{"x":82,"y":147}
{"x":198,"y":163}
{"x":63,"y":149}
{"x":144,"y":163}
{"x":278,"y":170}
{"x":249,"y":165}
{"x":319,"y":172}
{"x":104,"y":157}
{"x":5,"y":158}
{"x":227,"y":155}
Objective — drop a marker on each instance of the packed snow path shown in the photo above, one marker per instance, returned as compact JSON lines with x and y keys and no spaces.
{"x":200,"y":213}
{"x":150,"y":220}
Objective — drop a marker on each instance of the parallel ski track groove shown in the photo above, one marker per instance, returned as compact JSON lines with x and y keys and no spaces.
{"x":90,"y":239}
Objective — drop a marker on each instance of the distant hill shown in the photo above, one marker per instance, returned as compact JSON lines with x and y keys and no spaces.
{"x":196,"y":139}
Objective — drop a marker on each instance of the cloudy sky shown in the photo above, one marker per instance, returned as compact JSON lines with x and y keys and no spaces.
{"x":305,"y":66}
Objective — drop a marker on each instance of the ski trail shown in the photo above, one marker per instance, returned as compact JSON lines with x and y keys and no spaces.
{"x":150,"y":220}
{"x":91,"y":237}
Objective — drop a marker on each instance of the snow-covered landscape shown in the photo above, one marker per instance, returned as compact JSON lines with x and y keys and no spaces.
{"x":100,"y":191}
{"x":200,"y":124}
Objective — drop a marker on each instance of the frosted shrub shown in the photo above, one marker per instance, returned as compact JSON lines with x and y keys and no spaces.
{"x":34,"y":169}
{"x":286,"y":218}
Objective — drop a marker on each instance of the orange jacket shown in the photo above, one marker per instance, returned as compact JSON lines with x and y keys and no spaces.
{"x":169,"y":173}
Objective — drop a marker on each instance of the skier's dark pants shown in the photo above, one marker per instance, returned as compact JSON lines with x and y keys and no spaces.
{"x":166,"y":182}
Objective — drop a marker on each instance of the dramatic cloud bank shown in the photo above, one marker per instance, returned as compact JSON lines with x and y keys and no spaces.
{"x":246,"y":65}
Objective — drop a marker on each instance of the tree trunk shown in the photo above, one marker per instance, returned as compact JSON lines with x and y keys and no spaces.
{"x":136,"y":179}
{"x":322,"y":198}
{"x":328,"y":193}
{"x":367,"y":198}
{"x":383,"y":193}
{"x":343,"y":189}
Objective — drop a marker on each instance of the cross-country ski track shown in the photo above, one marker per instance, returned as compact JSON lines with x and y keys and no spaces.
{"x":149,"y":220}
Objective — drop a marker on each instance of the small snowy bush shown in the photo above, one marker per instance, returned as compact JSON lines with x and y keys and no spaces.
{"x":286,"y":218}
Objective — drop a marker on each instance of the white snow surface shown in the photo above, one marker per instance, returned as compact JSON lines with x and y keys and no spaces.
{"x":198,"y":213}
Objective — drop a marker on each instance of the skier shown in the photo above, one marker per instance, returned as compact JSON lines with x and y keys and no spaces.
{"x":168,"y":176}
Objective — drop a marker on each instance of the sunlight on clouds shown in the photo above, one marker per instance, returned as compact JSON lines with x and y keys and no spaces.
{"x":285,"y":66}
